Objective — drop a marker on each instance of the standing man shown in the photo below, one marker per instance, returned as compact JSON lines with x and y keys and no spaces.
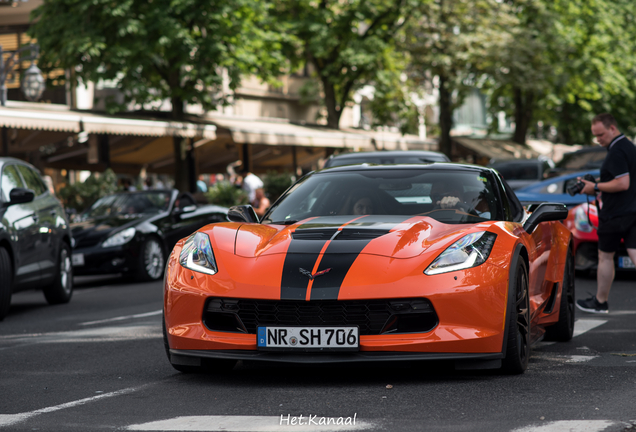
{"x":617,"y":218}
{"x":251,"y":182}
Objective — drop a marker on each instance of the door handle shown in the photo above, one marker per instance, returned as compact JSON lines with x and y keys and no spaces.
{"x":53,"y":212}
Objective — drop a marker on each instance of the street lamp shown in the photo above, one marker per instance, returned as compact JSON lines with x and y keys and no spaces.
{"x":32,"y":82}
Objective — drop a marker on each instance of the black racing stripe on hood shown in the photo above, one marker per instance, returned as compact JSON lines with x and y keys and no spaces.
{"x":302,"y":254}
{"x":340,"y":256}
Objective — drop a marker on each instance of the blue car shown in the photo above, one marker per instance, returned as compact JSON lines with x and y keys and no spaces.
{"x":554,"y":190}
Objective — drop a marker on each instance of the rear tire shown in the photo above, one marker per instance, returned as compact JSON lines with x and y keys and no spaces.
{"x":563,"y":330}
{"x":151,"y":260}
{"x":518,"y":326}
{"x":6,"y":282}
{"x":61,"y":290}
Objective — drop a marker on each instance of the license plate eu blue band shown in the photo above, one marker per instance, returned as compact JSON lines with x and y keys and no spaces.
{"x":303,"y":338}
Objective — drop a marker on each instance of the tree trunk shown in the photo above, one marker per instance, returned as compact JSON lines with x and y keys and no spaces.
{"x":445,"y":117}
{"x":524,"y":106}
{"x":333,"y":110}
{"x":180,"y":149}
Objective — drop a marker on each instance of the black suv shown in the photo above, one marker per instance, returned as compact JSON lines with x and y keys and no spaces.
{"x":35,"y":238}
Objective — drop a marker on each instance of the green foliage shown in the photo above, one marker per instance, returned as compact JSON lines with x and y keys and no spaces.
{"x":453,"y":45}
{"x":80,"y":196}
{"x":346,"y":43}
{"x":160,"y":49}
{"x":225,"y":194}
{"x":275,"y":184}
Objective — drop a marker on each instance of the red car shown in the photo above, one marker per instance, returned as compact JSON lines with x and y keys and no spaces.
{"x":582,"y":221}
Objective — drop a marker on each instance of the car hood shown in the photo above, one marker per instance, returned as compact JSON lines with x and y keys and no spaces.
{"x":389,"y":236}
{"x":93,"y":231}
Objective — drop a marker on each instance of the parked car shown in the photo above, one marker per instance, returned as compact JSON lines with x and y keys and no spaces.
{"x":520,"y":173}
{"x":386,"y":157}
{"x":586,"y":159}
{"x":131,"y":232}
{"x":554,"y":190}
{"x":582,"y":221}
{"x":408,"y":278}
{"x":35,"y":238}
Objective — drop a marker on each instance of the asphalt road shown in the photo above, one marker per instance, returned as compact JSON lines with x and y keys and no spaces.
{"x":98,"y":363}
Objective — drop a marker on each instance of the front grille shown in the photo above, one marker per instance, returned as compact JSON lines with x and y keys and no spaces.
{"x":373,"y":317}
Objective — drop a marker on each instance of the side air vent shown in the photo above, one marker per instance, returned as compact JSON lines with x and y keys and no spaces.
{"x":314,"y":234}
{"x":361,"y":234}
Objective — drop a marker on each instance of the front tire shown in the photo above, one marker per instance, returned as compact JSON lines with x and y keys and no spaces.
{"x":563,"y":330}
{"x":151,"y":261}
{"x":518,"y":326}
{"x":6,"y":282}
{"x":61,"y":290}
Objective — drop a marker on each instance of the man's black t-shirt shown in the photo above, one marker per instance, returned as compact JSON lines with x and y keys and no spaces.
{"x":620,"y":161}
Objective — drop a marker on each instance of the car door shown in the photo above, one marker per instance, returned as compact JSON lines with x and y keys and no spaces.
{"x":20,"y":220}
{"x":47,"y":209}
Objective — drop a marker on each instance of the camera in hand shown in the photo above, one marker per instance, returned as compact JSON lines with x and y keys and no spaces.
{"x":578,"y":186}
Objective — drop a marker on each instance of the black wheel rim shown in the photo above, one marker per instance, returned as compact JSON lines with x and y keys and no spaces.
{"x":523,"y":316}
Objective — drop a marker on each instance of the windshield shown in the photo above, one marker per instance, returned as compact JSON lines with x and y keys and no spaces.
{"x":129,"y":204}
{"x":446,"y":195}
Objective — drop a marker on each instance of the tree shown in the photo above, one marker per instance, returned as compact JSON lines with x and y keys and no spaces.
{"x":454,"y":43}
{"x":161,"y":49}
{"x":347,"y":43}
{"x":568,"y":60}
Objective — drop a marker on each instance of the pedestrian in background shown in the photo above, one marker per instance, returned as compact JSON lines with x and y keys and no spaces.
{"x":617,"y":215}
{"x":251,"y":182}
{"x":261,"y":202}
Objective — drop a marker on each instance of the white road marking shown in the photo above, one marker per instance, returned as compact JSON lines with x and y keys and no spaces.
{"x":571,"y":426}
{"x":11,"y":419}
{"x":580,"y":358}
{"x":121,"y":318}
{"x":101,"y":334}
{"x":585,"y":325}
{"x":581,"y":325}
{"x":253,"y":424}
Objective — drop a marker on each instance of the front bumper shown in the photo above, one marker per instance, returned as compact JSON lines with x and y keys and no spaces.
{"x":99,"y":260}
{"x":470,"y":305}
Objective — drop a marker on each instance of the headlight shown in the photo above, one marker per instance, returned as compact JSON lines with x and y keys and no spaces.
{"x":581,"y":221}
{"x":469,"y":251}
{"x":197,"y":254}
{"x":120,"y":238}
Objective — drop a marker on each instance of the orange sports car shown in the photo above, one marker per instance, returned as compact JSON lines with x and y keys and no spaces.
{"x":374,"y":263}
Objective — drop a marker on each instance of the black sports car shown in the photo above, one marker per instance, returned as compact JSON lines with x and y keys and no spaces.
{"x":131,"y":232}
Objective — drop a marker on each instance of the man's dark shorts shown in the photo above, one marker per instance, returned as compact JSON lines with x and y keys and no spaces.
{"x":611,"y":234}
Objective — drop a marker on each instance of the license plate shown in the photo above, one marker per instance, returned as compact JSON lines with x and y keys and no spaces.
{"x":625,"y":262}
{"x":304,"y":338}
{"x":78,"y":260}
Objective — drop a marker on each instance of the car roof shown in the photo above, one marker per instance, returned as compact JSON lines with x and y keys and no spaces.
{"x":439,"y":166}
{"x":433,"y":155}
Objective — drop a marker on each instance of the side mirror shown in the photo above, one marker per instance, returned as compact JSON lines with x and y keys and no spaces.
{"x":545,"y":212}
{"x":20,"y":196}
{"x":242,"y":213}
{"x":188,"y":209}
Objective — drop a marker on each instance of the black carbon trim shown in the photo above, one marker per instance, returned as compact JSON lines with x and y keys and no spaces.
{"x":304,"y":357}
